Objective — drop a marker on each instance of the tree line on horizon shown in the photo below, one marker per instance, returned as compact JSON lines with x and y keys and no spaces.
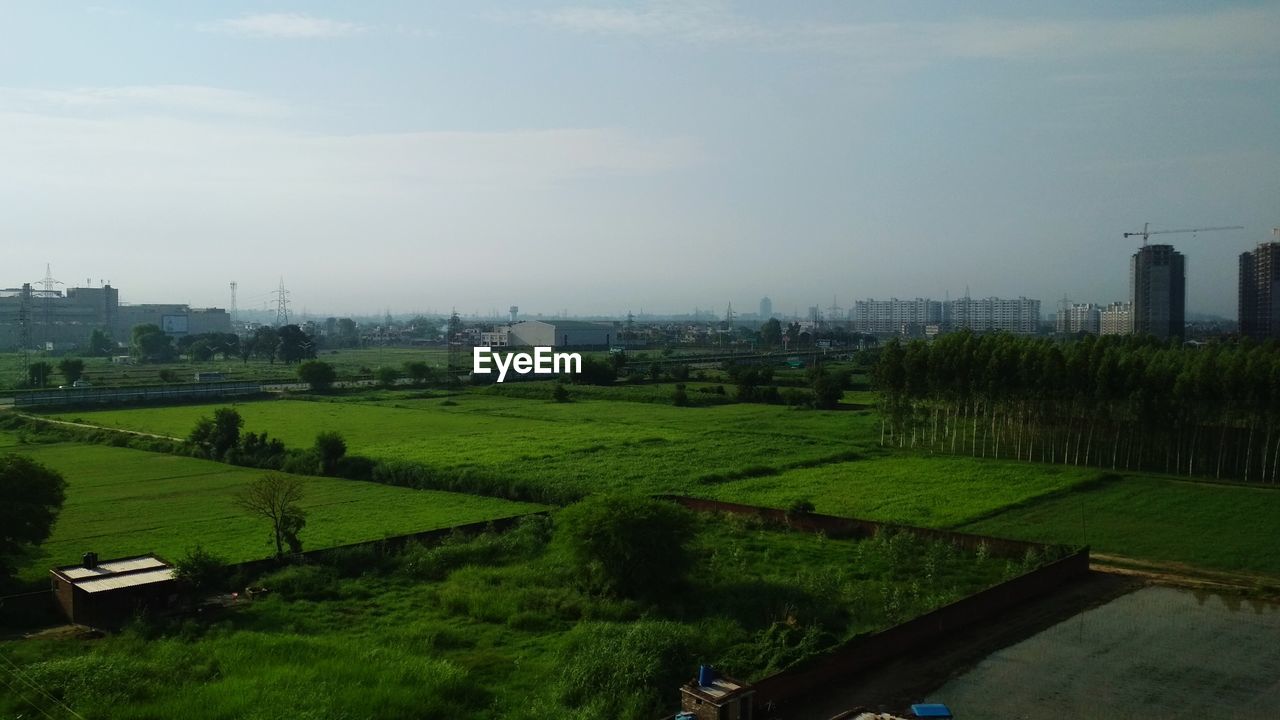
{"x":1119,"y":402}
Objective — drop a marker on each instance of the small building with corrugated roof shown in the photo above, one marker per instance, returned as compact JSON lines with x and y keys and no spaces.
{"x":108,"y":593}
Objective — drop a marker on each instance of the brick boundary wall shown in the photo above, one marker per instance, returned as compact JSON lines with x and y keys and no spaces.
{"x":39,"y":600}
{"x":863,"y":652}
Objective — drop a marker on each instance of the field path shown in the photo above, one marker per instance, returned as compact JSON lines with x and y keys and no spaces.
{"x":88,"y":426}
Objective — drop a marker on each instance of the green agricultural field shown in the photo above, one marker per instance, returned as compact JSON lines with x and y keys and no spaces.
{"x":927,"y":491}
{"x":499,"y":626}
{"x":1224,"y":527}
{"x":571,"y":448}
{"x":126,"y":502}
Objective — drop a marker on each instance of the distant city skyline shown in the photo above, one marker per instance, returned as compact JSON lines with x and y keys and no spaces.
{"x":658,"y":155}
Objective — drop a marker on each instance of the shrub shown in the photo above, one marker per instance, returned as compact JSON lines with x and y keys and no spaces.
{"x":330,"y":448}
{"x":625,"y":670}
{"x":303,"y":582}
{"x":201,"y":572}
{"x":318,"y":374}
{"x":628,"y":545}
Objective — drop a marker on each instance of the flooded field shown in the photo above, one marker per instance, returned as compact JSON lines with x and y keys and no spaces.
{"x":1154,"y":653}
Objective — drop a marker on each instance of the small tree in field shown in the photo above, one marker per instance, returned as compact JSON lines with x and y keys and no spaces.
{"x":72,"y":369}
{"x":628,"y":545}
{"x":330,"y":449}
{"x":387,"y":376}
{"x":275,"y":497}
{"x":318,"y":374}
{"x":219,"y":434}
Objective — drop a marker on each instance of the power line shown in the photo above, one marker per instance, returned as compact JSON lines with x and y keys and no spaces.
{"x":17,"y":672}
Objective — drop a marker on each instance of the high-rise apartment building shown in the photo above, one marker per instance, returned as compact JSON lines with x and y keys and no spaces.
{"x":894,"y":316}
{"x":1115,"y":319}
{"x":1158,"y":291}
{"x":1078,"y":318}
{"x":1259,"y":299}
{"x":766,"y":308}
{"x":1017,"y":315}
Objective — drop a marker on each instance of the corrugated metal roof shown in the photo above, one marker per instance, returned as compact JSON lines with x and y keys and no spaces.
{"x":111,"y":567}
{"x":115,"y":582}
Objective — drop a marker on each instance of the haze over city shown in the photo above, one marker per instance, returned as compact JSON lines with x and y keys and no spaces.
{"x":662,"y":156}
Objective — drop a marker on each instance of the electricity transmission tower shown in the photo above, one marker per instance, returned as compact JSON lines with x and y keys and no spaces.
{"x":282,"y":305}
{"x":235,"y":316}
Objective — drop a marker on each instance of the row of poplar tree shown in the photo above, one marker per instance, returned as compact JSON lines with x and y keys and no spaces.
{"x":1117,"y":402}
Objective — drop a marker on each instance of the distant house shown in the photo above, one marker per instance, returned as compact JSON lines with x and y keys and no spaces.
{"x":108,"y":593}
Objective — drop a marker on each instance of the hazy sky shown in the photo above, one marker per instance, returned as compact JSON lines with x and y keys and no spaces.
{"x":656,"y":155}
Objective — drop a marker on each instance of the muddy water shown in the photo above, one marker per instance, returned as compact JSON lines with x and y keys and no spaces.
{"x":1154,"y":653}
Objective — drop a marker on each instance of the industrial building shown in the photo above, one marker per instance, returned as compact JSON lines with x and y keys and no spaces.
{"x":1158,"y":291}
{"x":562,"y":333}
{"x":108,"y":593}
{"x":1259,"y":298}
{"x":54,"y":319}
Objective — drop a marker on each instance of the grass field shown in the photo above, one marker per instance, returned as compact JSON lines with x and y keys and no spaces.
{"x":1225,"y":527}
{"x":579,"y":446}
{"x":768,"y":455}
{"x":929,"y":491}
{"x":501,"y":628}
{"x":125,"y":502}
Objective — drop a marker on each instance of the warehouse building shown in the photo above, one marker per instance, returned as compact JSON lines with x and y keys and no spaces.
{"x":562,"y":333}
{"x":108,"y":593}
{"x":60,"y":320}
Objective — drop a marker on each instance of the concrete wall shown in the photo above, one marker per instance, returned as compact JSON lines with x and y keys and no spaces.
{"x":867,"y":651}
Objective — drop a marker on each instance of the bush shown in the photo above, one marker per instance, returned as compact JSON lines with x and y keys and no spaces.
{"x":680,"y":398}
{"x":625,"y":670}
{"x":387,"y":376}
{"x":318,"y":374}
{"x":201,"y":572}
{"x":560,"y":394}
{"x":303,"y":582}
{"x":330,"y":448}
{"x":628,"y":545}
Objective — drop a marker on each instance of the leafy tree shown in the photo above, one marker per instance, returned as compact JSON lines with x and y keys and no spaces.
{"x":330,"y":449}
{"x":219,"y":434}
{"x":38,"y":373}
{"x":150,"y":344}
{"x":628,"y":545}
{"x":72,"y":369}
{"x":560,"y":393}
{"x":168,"y":375}
{"x":275,"y":497}
{"x":596,"y":372}
{"x":771,"y":333}
{"x":201,"y":351}
{"x":419,"y":372}
{"x":294,"y":345}
{"x":386,"y":376}
{"x":318,"y":374}
{"x":100,"y":343}
{"x":264,"y":344}
{"x":828,"y":388}
{"x":31,"y":496}
{"x":680,"y":398}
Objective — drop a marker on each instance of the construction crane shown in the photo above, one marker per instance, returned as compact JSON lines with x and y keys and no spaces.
{"x":1146,"y":233}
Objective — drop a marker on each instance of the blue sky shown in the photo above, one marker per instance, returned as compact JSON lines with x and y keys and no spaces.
{"x":615,"y":156}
